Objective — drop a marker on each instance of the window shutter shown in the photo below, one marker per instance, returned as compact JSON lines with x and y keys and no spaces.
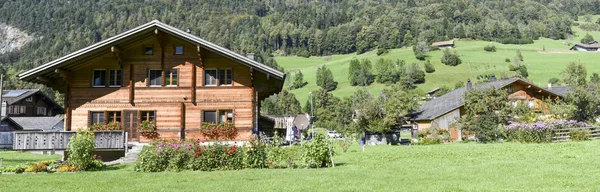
{"x":89,"y":119}
{"x":147,"y":77}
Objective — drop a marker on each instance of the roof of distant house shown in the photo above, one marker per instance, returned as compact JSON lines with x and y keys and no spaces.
{"x":560,"y":90}
{"x":591,"y":44}
{"x":37,"y":123}
{"x":455,"y":99}
{"x":443,"y":43}
{"x":48,"y":69}
{"x":13,"y":96}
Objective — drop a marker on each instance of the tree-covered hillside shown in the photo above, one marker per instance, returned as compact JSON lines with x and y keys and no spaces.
{"x":278,"y":27}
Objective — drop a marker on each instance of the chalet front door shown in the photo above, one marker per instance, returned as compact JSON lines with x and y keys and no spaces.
{"x":130,"y":124}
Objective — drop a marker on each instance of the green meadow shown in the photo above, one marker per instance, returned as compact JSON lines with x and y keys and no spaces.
{"x":545,"y":58}
{"x":569,"y":166}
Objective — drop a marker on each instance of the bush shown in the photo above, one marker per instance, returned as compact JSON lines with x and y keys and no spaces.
{"x":148,"y":130}
{"x":451,"y":58}
{"x":486,"y":127}
{"x":420,"y":56}
{"x":518,"y":41}
{"x":579,"y":135}
{"x":490,"y":48}
{"x":256,"y":153}
{"x":44,"y":166}
{"x":81,"y":149}
{"x":538,"y":132}
{"x":315,"y":153}
{"x":14,"y":169}
{"x":507,"y":60}
{"x":381,"y":51}
{"x":345,"y":143}
{"x":429,"y":67}
{"x":429,"y":141}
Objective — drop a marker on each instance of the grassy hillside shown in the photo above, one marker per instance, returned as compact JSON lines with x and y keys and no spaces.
{"x":542,"y":64}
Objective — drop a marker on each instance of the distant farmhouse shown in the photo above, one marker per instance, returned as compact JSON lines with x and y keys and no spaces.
{"x":158,"y":73}
{"x":443,"y":44}
{"x":444,"y":111}
{"x":591,"y":46}
{"x":27,"y":110}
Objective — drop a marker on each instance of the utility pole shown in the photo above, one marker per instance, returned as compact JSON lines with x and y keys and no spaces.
{"x":2,"y":109}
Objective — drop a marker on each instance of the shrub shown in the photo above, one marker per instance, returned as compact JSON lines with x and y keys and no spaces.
{"x":518,"y":41}
{"x":429,"y":67}
{"x":66,"y":168}
{"x":315,"y":153}
{"x":14,"y":169}
{"x":507,"y":60}
{"x":381,"y":51}
{"x":223,"y":130}
{"x":256,"y":153}
{"x":345,"y":143}
{"x":490,"y":48}
{"x":81,"y":150}
{"x":579,"y":135}
{"x":538,"y":132}
{"x":486,"y":127}
{"x":429,"y":141}
{"x":283,"y":156}
{"x":451,"y":58}
{"x":148,"y":130}
{"x":44,"y":166}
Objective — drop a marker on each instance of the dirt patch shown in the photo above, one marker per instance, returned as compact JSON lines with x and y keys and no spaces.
{"x":557,"y":52}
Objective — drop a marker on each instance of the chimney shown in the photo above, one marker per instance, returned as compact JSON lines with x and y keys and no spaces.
{"x":493,"y":78}
{"x":250,"y":56}
{"x":549,"y":85}
{"x":188,"y":30}
{"x":469,"y":85}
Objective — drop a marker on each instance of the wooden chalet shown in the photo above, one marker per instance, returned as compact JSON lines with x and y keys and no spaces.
{"x":592,"y":46}
{"x":160,"y":73}
{"x":444,"y":111}
{"x":443,"y":44}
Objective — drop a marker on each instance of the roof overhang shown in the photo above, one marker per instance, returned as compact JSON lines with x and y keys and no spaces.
{"x":49,"y":68}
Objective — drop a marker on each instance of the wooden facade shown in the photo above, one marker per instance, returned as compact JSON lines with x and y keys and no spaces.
{"x":519,"y":92}
{"x":164,"y":77}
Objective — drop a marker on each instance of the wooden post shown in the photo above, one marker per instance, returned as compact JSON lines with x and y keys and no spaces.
{"x":182,"y":120}
{"x":68,"y":109}
{"x":194,"y":83}
{"x":131,"y":85}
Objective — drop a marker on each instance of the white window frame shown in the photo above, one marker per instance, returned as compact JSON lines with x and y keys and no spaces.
{"x":23,"y":109}
{"x":41,"y":111}
{"x":116,"y":77}
{"x":94,"y":79}
{"x":216,"y":77}
{"x":150,"y":79}
{"x":29,"y":99}
{"x":167,"y":82}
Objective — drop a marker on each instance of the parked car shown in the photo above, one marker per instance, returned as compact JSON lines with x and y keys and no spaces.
{"x":333,"y":134}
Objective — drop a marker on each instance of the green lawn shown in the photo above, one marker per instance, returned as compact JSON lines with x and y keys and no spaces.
{"x":542,"y":64}
{"x":569,"y":166}
{"x":11,"y":158}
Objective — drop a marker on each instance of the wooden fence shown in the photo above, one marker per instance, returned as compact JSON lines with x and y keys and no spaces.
{"x":562,"y":135}
{"x":29,"y":140}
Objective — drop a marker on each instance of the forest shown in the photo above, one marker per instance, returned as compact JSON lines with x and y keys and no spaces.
{"x":277,"y":27}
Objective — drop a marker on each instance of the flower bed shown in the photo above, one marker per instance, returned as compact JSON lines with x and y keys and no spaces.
{"x":538,"y":132}
{"x":40,"y":167}
{"x":177,"y":155}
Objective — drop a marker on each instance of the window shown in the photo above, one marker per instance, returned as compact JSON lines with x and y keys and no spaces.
{"x":97,"y":117}
{"x":148,"y":50}
{"x":41,"y":111}
{"x":99,"y":78}
{"x":114,"y":116}
{"x":226,"y":116}
{"x":171,"y":77}
{"x":210,"y":116}
{"x":225,"y":77}
{"x":23,"y":110}
{"x":115,"y":78}
{"x":210,"y":77}
{"x":155,"y":78}
{"x":178,"y":50}
{"x":510,"y":89}
{"x":30,"y":99}
{"x":148,"y":116}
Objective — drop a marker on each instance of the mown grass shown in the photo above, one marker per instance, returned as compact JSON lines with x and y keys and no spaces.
{"x":545,"y":59}
{"x":12,"y":158}
{"x":569,"y":166}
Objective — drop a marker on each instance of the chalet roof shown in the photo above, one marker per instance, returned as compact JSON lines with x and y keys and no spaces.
{"x":10,"y":97}
{"x":560,"y":90}
{"x":49,"y":68}
{"x":443,"y":43}
{"x":592,"y":44}
{"x":14,"y":96}
{"x":37,"y":123}
{"x":455,"y":99}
